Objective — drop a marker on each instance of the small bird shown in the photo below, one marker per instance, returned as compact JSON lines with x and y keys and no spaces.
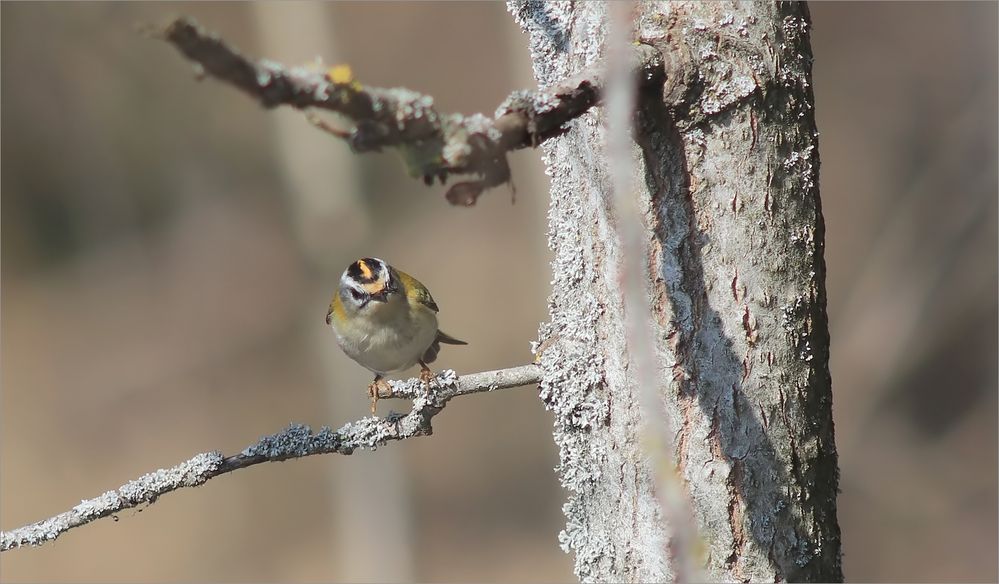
{"x":386,"y":320}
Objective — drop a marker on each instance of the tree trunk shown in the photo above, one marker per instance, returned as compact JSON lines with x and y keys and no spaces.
{"x":730,"y":188}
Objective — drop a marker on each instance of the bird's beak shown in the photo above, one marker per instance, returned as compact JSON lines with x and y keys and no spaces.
{"x":383,"y":294}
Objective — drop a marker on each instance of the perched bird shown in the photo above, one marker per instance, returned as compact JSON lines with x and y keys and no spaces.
{"x":386,"y":320}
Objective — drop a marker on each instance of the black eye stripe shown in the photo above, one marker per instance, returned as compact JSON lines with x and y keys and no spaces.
{"x":359,"y":297}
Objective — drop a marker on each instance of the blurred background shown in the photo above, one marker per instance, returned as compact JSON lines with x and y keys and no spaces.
{"x":169,"y":249}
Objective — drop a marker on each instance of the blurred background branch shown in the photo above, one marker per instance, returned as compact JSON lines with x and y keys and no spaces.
{"x":656,"y":435}
{"x":297,"y":441}
{"x":434,"y":145}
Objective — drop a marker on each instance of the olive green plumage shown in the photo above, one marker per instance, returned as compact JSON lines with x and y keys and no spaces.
{"x":386,"y":321}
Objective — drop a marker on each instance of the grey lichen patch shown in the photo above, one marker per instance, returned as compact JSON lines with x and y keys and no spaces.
{"x":548,"y":25}
{"x":481,"y":124}
{"x":572,"y":385}
{"x":408,"y":388}
{"x":533,"y":102}
{"x":723,"y":41}
{"x":795,"y":66}
{"x":305,"y":73}
{"x":38,"y":533}
{"x":573,"y":372}
{"x":367,"y":433}
{"x":90,"y":508}
{"x":193,"y":472}
{"x":412,"y":106}
{"x":593,"y":552}
{"x":518,"y":101}
{"x":292,"y":441}
{"x":445,"y":380}
{"x":802,"y":164}
{"x":797,"y":325}
{"x":266,"y":72}
{"x":727,"y":92}
{"x":458,"y":131}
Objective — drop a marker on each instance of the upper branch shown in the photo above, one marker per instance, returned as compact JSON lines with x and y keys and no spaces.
{"x":296,"y":441}
{"x":434,"y":145}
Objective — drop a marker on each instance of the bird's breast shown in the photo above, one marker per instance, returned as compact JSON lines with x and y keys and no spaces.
{"x":389,"y":345}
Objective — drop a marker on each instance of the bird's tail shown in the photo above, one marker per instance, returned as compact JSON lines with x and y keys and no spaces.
{"x":448,"y":339}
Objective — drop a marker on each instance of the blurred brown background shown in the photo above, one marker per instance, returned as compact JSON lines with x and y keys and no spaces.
{"x":168,"y":249}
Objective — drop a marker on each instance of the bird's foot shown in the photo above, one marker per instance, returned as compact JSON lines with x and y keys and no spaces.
{"x":425,"y":376}
{"x":379,"y":388}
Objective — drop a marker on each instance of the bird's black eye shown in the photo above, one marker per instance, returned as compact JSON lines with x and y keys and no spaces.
{"x":356,"y":295}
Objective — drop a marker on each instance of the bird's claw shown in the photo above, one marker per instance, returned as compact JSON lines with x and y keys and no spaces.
{"x":426,"y":375}
{"x":375,"y":389}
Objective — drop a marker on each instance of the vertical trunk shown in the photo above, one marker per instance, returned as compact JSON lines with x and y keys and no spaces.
{"x":730,"y":182}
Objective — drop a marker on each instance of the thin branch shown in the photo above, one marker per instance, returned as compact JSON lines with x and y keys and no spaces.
{"x":295,"y":441}
{"x":435,"y":145}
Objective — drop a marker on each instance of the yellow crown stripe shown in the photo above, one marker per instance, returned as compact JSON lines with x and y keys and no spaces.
{"x":365,"y":270}
{"x":373,"y":287}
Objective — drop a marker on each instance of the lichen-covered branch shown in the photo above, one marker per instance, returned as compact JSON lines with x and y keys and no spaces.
{"x":295,"y":441}
{"x":433,"y":144}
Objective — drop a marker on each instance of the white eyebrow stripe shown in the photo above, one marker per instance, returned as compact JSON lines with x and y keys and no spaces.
{"x":383,"y":273}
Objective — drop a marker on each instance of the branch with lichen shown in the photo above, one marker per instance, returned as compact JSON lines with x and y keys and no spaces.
{"x":434,"y":145}
{"x":295,"y":441}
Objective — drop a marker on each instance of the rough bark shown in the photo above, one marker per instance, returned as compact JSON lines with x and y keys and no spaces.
{"x":730,"y":188}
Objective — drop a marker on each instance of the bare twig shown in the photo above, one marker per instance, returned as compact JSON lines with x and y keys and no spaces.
{"x":295,"y":441}
{"x":434,"y":145}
